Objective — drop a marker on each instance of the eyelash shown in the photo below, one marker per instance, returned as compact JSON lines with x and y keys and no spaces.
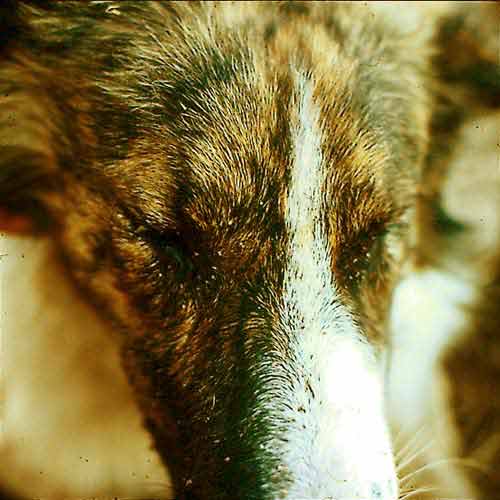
{"x":364,"y":254}
{"x":169,"y":250}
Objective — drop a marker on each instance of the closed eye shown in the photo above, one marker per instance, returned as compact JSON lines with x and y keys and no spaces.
{"x":170,"y":250}
{"x":363,"y":254}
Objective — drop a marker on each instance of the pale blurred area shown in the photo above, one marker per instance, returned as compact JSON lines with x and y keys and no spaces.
{"x":444,"y":381}
{"x":472,"y":364}
{"x":471,"y":193}
{"x":69,"y":425}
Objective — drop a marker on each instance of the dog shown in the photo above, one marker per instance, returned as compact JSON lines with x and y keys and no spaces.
{"x":250,"y":193}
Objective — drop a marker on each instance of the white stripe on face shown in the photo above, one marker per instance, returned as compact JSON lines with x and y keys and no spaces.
{"x":337,"y":444}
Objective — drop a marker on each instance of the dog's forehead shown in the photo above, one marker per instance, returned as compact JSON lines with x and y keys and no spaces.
{"x":225,"y":141}
{"x":238,"y":163}
{"x":239,"y":152}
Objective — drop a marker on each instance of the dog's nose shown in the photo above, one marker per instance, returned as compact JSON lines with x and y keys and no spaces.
{"x":377,"y":491}
{"x":371,"y":491}
{"x":384,"y":491}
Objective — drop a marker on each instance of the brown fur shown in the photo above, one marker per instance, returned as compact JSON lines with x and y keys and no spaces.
{"x":152,"y":142}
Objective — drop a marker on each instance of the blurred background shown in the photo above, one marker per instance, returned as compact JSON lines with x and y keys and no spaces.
{"x":69,"y":426}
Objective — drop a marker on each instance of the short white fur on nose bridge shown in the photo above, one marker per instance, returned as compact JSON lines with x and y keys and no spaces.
{"x":337,"y":443}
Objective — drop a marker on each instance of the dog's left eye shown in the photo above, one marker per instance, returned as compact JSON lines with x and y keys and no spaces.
{"x":174,"y":259}
{"x":170,"y":251}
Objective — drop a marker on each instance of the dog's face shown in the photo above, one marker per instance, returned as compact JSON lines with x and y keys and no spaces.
{"x":232,"y":186}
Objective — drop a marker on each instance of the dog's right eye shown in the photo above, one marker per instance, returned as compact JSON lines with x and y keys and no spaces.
{"x":363,"y":255}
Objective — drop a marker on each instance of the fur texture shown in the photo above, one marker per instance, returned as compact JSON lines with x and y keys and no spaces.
{"x":239,"y":188}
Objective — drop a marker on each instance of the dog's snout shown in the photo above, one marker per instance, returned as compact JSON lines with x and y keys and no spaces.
{"x":376,"y":492}
{"x":384,"y":490}
{"x":380,"y":490}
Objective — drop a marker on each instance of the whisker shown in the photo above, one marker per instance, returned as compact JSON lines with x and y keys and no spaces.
{"x":408,"y":446}
{"x":473,"y":464}
{"x":418,"y":492}
{"x":431,"y":465}
{"x":486,"y":450}
{"x":401,"y":433}
{"x":411,"y":458}
{"x":445,"y":461}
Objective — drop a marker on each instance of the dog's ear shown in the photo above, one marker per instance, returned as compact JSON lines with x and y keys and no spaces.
{"x":33,"y":130}
{"x":28,"y":157}
{"x":54,"y":113}
{"x":468,"y":57}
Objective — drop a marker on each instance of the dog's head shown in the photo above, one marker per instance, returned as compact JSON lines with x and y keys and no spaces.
{"x":232,"y":185}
